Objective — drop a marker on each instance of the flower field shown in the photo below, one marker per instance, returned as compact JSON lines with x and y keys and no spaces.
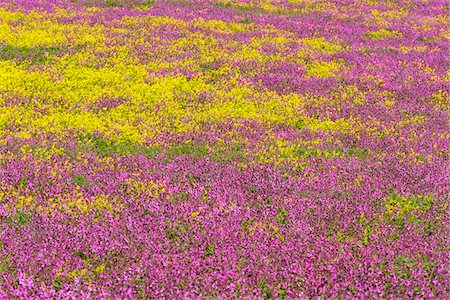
{"x":224,"y":149}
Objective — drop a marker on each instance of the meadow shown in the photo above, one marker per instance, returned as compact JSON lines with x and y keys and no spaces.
{"x":224,"y":149}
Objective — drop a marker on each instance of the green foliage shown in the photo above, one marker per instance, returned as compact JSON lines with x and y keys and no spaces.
{"x":112,"y":3}
{"x":106,"y":147}
{"x":181,"y":284}
{"x":182,"y":3}
{"x":4,"y":265}
{"x":221,"y":4}
{"x":333,"y":152}
{"x":429,"y":228}
{"x":244,"y":21}
{"x":209,"y":250}
{"x":229,"y":152}
{"x":395,"y":236}
{"x":138,"y":281}
{"x":80,"y":180}
{"x":208,"y":66}
{"x":187,"y":149}
{"x":122,"y":3}
{"x":180,"y":197}
{"x":147,"y":3}
{"x":22,"y":181}
{"x":21,"y":218}
{"x":58,"y":283}
{"x":266,"y":292}
{"x":171,"y":235}
{"x":81,"y":254}
{"x":282,"y":216}
{"x":281,"y":292}
{"x":299,"y":124}
{"x":246,"y":225}
{"x":36,"y":55}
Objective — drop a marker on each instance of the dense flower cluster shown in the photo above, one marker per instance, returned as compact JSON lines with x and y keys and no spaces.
{"x":224,"y":149}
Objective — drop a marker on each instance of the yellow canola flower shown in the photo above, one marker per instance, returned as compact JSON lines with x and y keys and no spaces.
{"x":382,"y":34}
{"x":41,"y":30}
{"x":322,"y":69}
{"x":318,"y":44}
{"x":77,"y":273}
{"x":99,"y":269}
{"x":221,"y":26}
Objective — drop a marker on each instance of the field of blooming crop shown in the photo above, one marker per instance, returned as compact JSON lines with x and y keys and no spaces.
{"x":222,"y":149}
